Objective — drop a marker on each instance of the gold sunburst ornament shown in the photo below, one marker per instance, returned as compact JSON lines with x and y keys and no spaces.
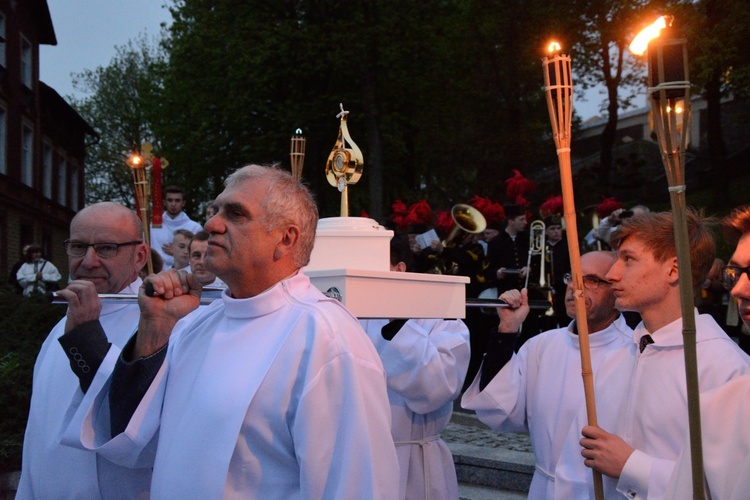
{"x":345,"y":163}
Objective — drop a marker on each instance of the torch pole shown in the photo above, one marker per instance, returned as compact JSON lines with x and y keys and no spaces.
{"x":670,"y":105}
{"x":559,"y":90}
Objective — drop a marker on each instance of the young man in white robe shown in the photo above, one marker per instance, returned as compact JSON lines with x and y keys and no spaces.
{"x":425,"y":361}
{"x":640,"y":450}
{"x":174,"y":219}
{"x":105,"y":253}
{"x":274,"y":391}
{"x":540,"y":389}
{"x":725,"y":411}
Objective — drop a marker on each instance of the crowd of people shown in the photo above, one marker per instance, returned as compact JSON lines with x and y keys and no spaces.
{"x":276,"y":390}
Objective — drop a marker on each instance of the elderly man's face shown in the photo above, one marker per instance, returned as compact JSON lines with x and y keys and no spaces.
{"x":111,"y":275}
{"x":600,"y":302}
{"x":741,"y":290}
{"x":240,"y":250}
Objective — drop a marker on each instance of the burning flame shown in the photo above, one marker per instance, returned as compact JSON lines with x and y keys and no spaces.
{"x":640,"y":43}
{"x":553,"y":47}
{"x":135,"y":160}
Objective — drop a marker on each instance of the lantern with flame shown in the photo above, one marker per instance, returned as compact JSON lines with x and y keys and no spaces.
{"x":345,"y":164}
{"x":669,"y":91}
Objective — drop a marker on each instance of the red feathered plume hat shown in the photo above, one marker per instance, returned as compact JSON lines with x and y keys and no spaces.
{"x":517,"y":188}
{"x":607,"y":206}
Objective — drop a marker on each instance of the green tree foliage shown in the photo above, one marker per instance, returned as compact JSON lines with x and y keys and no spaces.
{"x":600,"y":33}
{"x":27,"y":321}
{"x":121,"y":107}
{"x":440,"y":102}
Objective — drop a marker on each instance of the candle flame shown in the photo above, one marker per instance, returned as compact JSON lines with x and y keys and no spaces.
{"x":553,"y":47}
{"x":640,"y":43}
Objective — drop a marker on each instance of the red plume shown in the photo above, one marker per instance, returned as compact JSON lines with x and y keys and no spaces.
{"x":399,"y":214}
{"x":419,"y":213}
{"x":553,"y":205}
{"x":607,"y":206}
{"x":517,"y":187}
{"x":444,"y":222}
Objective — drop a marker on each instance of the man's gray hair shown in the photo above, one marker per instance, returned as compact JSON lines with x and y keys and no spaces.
{"x":287,"y":201}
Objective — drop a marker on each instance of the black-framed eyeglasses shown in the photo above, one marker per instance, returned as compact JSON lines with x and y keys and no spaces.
{"x":590,"y":282}
{"x":731,"y":275}
{"x":103,"y":250}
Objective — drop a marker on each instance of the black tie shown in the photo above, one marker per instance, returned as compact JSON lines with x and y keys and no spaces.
{"x":645,"y":340}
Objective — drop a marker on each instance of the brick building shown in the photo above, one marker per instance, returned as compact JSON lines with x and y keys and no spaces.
{"x":42,"y":142}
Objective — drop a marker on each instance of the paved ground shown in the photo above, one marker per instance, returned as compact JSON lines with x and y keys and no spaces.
{"x":489,"y":465}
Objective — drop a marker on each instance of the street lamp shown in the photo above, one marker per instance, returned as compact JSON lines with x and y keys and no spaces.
{"x":669,"y":91}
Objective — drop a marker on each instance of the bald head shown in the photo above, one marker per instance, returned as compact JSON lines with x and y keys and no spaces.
{"x":108,"y":222}
{"x":600,"y":301}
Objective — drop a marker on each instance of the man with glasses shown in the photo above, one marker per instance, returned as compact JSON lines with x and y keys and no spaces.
{"x":646,"y":441}
{"x":724,"y":411}
{"x":274,"y":391}
{"x":105,"y":252}
{"x":539,"y":389}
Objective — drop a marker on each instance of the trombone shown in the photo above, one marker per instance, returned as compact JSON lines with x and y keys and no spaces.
{"x":536,"y":247}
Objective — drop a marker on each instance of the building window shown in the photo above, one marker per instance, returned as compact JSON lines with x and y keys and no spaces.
{"x":3,"y":141}
{"x":27,"y":62}
{"x":47,"y":171}
{"x":27,"y":156}
{"x":62,"y":181}
{"x":74,"y":187}
{"x":2,"y":40}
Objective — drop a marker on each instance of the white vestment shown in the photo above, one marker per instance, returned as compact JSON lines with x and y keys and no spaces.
{"x":725,"y":429}
{"x":51,"y":470}
{"x":655,"y":421}
{"x":280,"y":395}
{"x":540,"y":390}
{"x":425,"y":363}
{"x":164,"y":234}
{"x":26,"y":276}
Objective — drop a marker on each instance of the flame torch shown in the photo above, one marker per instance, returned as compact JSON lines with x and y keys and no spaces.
{"x":558,"y":84}
{"x":297,"y":153}
{"x":669,"y":91}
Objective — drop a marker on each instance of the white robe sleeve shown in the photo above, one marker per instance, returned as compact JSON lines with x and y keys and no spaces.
{"x":50,"y":273}
{"x":26,"y":275}
{"x":426,"y":362}
{"x":345,"y":403}
{"x":502,"y":403}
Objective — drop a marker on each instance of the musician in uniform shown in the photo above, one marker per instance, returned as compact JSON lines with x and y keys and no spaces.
{"x":557,"y":266}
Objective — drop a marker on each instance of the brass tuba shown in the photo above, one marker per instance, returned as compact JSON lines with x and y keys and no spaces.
{"x":468,"y":220}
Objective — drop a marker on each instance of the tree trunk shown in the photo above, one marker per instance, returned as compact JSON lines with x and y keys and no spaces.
{"x":717,"y":152}
{"x":608,"y":140}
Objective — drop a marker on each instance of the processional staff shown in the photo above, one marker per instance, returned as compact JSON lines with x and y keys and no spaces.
{"x":558,"y":84}
{"x":144,"y":166}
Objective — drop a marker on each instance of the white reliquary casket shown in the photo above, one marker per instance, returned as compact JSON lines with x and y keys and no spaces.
{"x":351,"y":260}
